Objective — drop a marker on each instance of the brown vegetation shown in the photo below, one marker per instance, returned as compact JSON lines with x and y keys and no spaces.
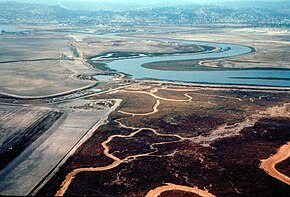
{"x":284,"y":167}
{"x":171,"y":94}
{"x":229,"y":167}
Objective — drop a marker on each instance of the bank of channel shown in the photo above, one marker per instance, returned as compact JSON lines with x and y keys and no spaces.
{"x":257,"y":77}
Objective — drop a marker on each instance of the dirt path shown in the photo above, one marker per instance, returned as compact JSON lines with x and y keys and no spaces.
{"x":193,"y":91}
{"x":157,"y":103}
{"x":155,"y":110}
{"x":221,"y":132}
{"x":170,"y":187}
{"x":116,"y":161}
{"x":152,"y":93}
{"x":268,"y":165}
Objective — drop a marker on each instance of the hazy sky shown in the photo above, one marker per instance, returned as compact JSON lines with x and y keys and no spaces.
{"x":136,"y":1}
{"x":122,"y":1}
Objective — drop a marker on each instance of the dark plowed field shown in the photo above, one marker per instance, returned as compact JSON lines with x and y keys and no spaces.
{"x":16,"y":143}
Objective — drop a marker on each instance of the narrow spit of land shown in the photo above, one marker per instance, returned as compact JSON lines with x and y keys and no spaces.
{"x":215,"y":134}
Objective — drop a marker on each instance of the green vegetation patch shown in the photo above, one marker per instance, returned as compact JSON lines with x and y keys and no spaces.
{"x":179,"y":65}
{"x":100,"y":66}
{"x":193,"y":65}
{"x":263,"y":78}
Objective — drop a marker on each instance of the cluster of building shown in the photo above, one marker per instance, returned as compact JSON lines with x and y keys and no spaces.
{"x":12,"y":12}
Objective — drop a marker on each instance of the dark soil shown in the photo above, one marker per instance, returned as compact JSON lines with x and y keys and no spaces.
{"x":16,"y":144}
{"x":284,"y":167}
{"x":229,"y":168}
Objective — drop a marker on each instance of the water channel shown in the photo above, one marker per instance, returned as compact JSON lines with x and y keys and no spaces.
{"x":260,"y":77}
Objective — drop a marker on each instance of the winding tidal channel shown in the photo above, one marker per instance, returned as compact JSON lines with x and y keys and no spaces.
{"x":254,"y":76}
{"x":117,"y":161}
{"x":220,"y":132}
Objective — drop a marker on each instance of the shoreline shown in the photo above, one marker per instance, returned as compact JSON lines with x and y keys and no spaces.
{"x":218,"y":85}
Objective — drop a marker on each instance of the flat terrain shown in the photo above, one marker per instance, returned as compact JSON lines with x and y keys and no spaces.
{"x":195,"y":65}
{"x":143,"y":137}
{"x":94,"y":45}
{"x":206,"y":141}
{"x":46,"y":63}
{"x":37,"y":162}
{"x":31,"y":79}
{"x":20,"y":127}
{"x":272,"y":44}
{"x":29,"y":47}
{"x":186,"y":65}
{"x":39,"y":64}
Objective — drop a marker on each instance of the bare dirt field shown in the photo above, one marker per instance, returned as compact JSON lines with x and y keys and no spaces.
{"x":42,"y":157}
{"x":20,"y":127}
{"x":29,"y":47}
{"x":39,"y":78}
{"x":39,"y":64}
{"x":209,"y":142}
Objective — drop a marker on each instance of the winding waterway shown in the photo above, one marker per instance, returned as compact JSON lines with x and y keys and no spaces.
{"x":260,"y":77}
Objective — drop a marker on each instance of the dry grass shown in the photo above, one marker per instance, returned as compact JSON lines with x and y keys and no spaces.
{"x":179,"y":95}
{"x":41,"y":73}
{"x":136,"y":102}
{"x":25,"y":47}
{"x":180,"y":161}
{"x":38,"y":78}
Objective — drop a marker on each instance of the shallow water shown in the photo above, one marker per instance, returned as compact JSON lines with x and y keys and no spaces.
{"x":279,"y":77}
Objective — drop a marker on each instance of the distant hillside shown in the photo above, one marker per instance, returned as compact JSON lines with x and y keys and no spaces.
{"x":30,"y":13}
{"x":12,"y":12}
{"x":277,"y":5}
{"x":214,"y":14}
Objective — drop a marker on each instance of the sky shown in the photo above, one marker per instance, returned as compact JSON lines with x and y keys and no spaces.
{"x":119,"y":1}
{"x":136,"y":1}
